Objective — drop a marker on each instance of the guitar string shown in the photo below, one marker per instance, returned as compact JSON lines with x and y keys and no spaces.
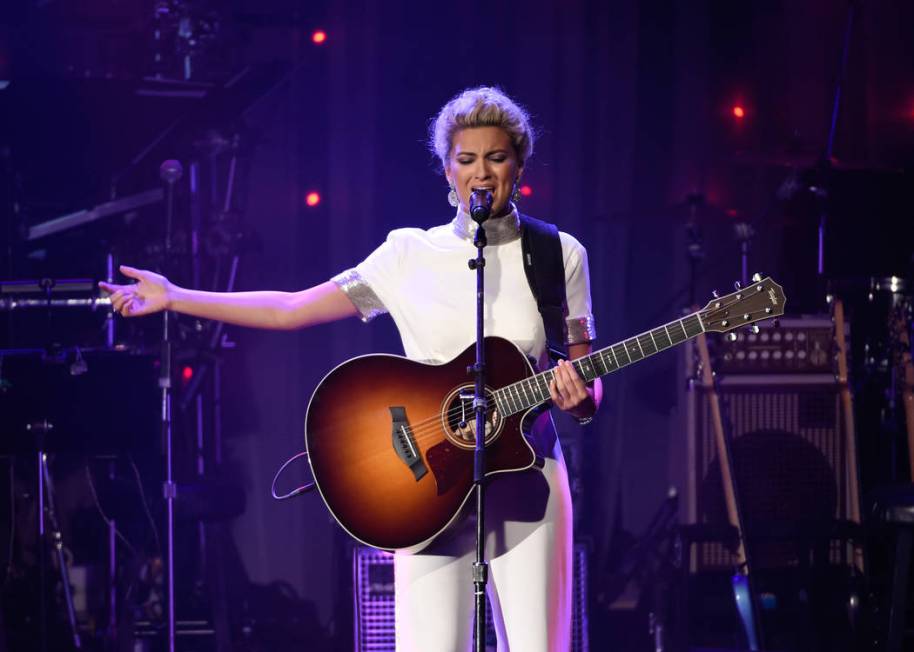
{"x":431,"y":427}
{"x":434,"y":422}
{"x":417,"y":426}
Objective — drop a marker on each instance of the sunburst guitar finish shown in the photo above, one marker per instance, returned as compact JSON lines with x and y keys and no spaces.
{"x":393,"y":489}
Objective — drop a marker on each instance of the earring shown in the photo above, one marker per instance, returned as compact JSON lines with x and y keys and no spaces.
{"x":452,"y":197}
{"x":515,"y":194}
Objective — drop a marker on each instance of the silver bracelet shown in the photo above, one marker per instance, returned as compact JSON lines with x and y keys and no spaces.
{"x":583,"y":421}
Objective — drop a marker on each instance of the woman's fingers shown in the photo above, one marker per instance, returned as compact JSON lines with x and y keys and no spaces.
{"x":562,"y":396}
{"x":132,"y":272}
{"x":569,"y":386}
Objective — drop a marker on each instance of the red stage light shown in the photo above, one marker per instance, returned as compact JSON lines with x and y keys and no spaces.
{"x":312,"y":199}
{"x":526,"y":190}
{"x":739,"y":112}
{"x":187,"y":373}
{"x":318,"y":37}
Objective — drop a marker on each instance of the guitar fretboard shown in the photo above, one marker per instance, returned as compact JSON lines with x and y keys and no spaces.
{"x":534,"y":390}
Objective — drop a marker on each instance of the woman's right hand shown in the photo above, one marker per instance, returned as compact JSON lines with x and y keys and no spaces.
{"x":151,"y":293}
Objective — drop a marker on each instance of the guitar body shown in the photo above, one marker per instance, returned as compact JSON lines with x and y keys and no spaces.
{"x":392,"y":489}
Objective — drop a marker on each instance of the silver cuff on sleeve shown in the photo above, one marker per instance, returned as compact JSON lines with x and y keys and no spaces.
{"x":581,"y":329}
{"x":360,"y":293}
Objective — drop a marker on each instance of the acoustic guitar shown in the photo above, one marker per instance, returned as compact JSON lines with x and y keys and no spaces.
{"x":390,"y":441}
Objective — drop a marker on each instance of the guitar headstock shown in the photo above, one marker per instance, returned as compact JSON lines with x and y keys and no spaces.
{"x":762,"y":299}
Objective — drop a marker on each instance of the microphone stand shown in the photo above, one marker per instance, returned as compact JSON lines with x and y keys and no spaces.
{"x":480,"y":208}
{"x":170,"y":171}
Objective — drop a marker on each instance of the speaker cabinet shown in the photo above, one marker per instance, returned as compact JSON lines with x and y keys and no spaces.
{"x":373,"y":576}
{"x":782,"y":415}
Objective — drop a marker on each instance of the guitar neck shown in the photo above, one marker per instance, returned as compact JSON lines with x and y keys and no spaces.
{"x":534,"y":390}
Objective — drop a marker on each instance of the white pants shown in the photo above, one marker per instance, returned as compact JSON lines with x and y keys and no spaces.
{"x":528,"y":547}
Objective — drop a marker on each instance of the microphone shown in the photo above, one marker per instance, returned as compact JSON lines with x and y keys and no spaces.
{"x":480,"y":205}
{"x":170,"y":171}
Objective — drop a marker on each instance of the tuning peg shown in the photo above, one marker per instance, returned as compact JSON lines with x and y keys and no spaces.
{"x":715,"y":294}
{"x":732,"y":336}
{"x":776,"y":322}
{"x":737,"y":286}
{"x":754,"y":329}
{"x":756,"y":278}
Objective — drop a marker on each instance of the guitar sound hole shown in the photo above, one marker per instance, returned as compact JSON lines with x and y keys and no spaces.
{"x":459,"y":419}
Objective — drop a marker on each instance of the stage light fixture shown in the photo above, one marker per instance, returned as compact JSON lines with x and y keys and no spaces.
{"x":318,"y":37}
{"x":526,"y":190}
{"x":739,"y":112}
{"x":312,"y":199}
{"x":187,"y":373}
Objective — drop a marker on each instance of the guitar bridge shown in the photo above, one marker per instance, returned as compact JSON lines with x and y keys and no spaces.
{"x":405,"y":444}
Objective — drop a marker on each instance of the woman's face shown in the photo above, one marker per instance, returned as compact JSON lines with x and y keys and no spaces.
{"x":483,"y":157}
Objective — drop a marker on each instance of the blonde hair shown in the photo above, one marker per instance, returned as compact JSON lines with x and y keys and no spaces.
{"x":483,"y":106}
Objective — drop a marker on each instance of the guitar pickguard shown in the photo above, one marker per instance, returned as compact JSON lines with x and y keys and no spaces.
{"x":442,"y":458}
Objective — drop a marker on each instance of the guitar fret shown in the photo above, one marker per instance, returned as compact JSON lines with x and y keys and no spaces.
{"x":633,"y":350}
{"x":675,"y":338}
{"x":544,"y":386}
{"x":509,"y":407}
{"x":622,"y":346}
{"x":615,"y":361}
{"x":694,"y":326}
{"x":586,"y":370}
{"x":684,"y":332}
{"x":515,"y":407}
{"x":656,"y":348}
{"x":645,"y":341}
{"x":669,"y":342}
{"x":599,"y":356}
{"x":639,"y":347}
{"x":520,"y":399}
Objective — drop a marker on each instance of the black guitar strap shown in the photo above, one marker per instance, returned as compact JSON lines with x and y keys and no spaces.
{"x":545,"y":269}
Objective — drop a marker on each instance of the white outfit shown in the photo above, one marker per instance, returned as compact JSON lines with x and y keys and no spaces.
{"x":421,"y":278}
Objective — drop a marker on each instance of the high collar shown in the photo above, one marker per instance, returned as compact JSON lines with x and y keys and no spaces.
{"x":499,"y":230}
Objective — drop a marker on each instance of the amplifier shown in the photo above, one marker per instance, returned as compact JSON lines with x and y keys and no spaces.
{"x":802,"y":345}
{"x":373,"y":576}
{"x":783,"y":417}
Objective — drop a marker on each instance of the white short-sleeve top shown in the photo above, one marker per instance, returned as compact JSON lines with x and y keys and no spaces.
{"x":421,"y":277}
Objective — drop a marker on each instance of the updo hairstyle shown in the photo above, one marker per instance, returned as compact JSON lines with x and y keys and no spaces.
{"x":484,"y":106}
